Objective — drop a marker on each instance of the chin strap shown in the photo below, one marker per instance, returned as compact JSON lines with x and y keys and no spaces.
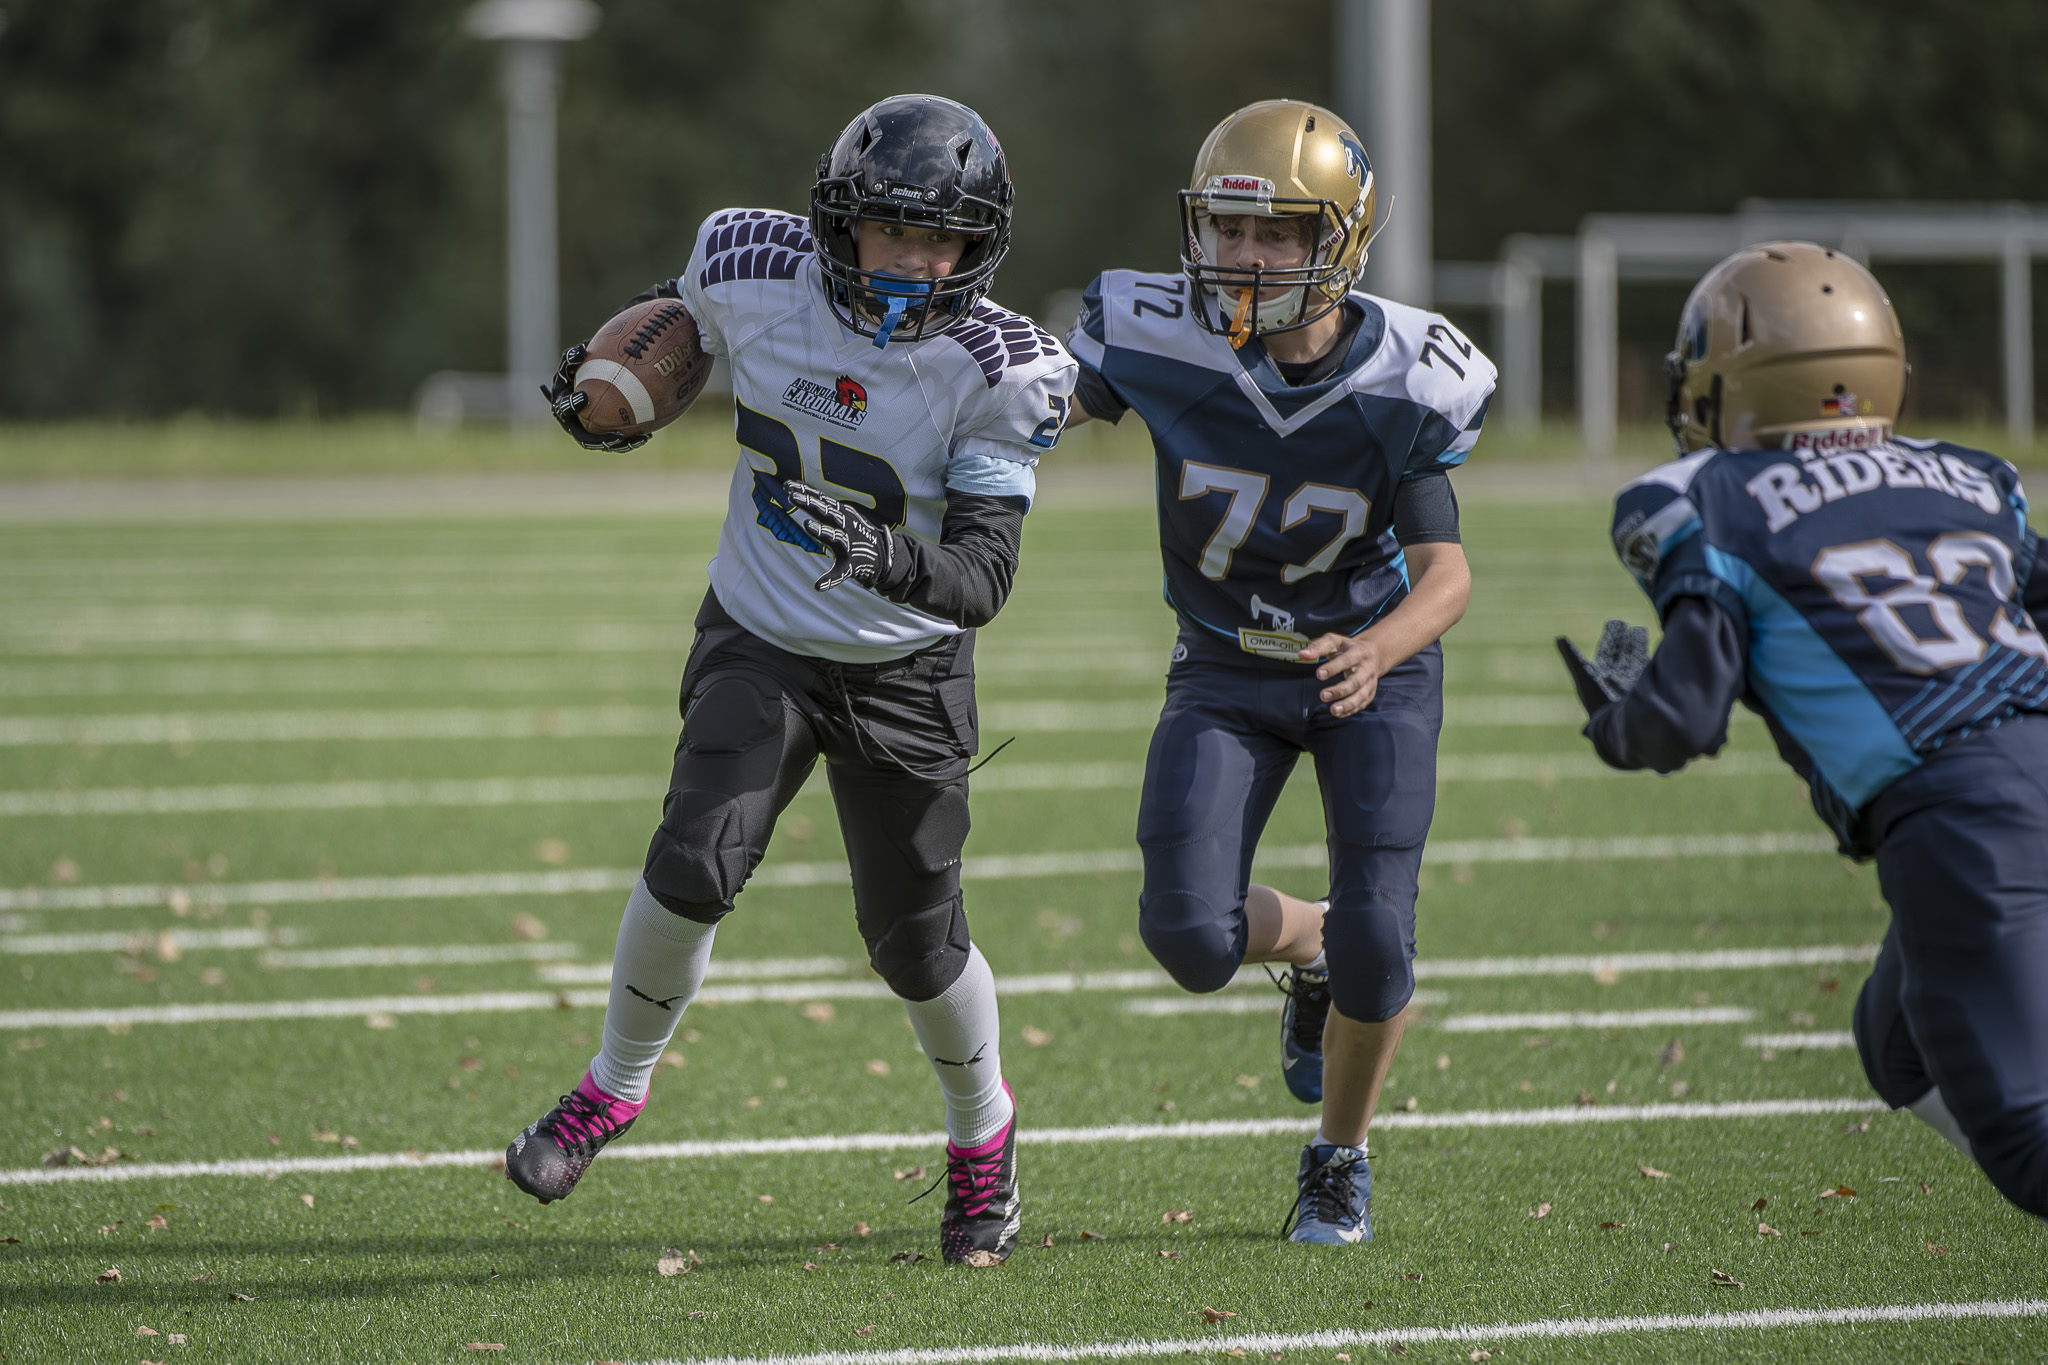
{"x":1241,"y":323}
{"x":900,"y":293}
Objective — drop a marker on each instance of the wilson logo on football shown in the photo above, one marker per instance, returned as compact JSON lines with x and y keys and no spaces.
{"x":844,"y":404}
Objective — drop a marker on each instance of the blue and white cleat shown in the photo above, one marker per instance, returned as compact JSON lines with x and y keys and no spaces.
{"x":1333,"y":1199}
{"x":1301,"y":1031}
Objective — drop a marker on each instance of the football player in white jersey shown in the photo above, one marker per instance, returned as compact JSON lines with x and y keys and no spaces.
{"x":889,"y":420}
{"x":1304,"y":432}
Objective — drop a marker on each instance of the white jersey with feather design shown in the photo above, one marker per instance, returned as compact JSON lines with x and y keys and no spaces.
{"x":889,"y":428}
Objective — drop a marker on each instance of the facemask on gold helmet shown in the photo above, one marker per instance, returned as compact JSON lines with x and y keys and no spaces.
{"x":1785,"y":344}
{"x":1277,"y":159}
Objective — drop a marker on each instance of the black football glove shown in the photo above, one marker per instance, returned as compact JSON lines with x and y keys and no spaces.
{"x":565,"y":403}
{"x":1620,"y":658}
{"x":861,"y":550}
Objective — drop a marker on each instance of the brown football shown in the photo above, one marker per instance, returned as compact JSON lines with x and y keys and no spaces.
{"x":644,"y":368}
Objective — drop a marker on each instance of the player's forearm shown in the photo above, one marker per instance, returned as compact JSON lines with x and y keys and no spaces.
{"x":1440,"y":588}
{"x":966,"y":577}
{"x":1678,"y":709}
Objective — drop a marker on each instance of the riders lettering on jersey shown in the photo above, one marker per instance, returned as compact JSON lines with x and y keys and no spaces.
{"x":1785,"y":495}
{"x":998,"y":339}
{"x":754,"y":244}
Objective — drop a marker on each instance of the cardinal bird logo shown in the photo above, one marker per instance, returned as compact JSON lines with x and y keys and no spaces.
{"x":850,"y":394}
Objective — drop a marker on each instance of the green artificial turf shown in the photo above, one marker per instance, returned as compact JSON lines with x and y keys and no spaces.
{"x":561,"y":616}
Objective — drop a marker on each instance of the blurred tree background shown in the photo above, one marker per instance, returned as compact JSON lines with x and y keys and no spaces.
{"x":262,"y":207}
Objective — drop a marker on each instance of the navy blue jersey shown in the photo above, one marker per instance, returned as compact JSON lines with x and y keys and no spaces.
{"x":1880,"y":591}
{"x":1276,"y":502}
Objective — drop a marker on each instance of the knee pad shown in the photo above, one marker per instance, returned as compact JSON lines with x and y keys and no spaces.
{"x":1200,"y":947}
{"x":1371,"y":955}
{"x":697,"y":860}
{"x":922,"y":953}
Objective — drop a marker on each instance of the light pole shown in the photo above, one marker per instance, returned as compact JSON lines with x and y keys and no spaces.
{"x":532,"y":32}
{"x":1382,"y":84}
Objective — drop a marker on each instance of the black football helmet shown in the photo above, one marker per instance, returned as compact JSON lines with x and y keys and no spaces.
{"x":922,"y":161}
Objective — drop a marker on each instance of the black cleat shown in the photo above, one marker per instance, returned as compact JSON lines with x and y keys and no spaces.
{"x":983,"y":1210}
{"x":549,"y":1157}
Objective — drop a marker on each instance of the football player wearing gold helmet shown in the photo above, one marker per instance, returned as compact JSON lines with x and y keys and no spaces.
{"x":1304,"y":432}
{"x":1877,"y":600}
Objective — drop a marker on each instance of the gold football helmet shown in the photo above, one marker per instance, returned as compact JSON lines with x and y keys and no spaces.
{"x":1277,"y":159}
{"x":1785,"y":344}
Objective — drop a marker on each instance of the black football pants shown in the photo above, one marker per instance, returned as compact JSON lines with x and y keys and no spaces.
{"x":896,"y":738}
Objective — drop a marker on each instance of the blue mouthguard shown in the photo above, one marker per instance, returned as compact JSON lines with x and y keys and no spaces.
{"x":899,"y":292}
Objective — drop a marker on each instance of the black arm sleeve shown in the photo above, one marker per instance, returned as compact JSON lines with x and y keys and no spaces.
{"x":966,"y":577}
{"x":667,"y":289}
{"x":1098,"y":398}
{"x":1678,"y":708}
{"x":1425,"y":510}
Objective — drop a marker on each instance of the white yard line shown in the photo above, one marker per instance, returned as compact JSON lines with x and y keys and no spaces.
{"x":1560,"y":1019}
{"x":558,"y":791}
{"x":719,"y":969}
{"x":988,"y":867}
{"x":888,"y":1142}
{"x":146,"y":941}
{"x":1599,"y":964}
{"x":580,"y":722}
{"x":1332,"y":1339}
{"x":418,"y":955}
{"x":1795,"y":1042}
{"x":1239,"y":1004}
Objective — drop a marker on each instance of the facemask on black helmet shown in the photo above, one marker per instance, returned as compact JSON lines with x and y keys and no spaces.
{"x":921,"y":162}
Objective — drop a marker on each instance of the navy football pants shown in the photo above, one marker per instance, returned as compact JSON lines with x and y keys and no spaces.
{"x":1959,"y":996}
{"x":1227,"y":740}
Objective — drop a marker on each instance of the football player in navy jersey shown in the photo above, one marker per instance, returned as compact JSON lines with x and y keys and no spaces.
{"x":866,"y":360}
{"x":1304,"y":433}
{"x":1876,"y":600}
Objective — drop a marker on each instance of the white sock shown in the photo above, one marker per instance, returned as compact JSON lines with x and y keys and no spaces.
{"x":1320,"y":967}
{"x":958,"y":1031}
{"x":661,"y":958}
{"x":1323,"y":1139}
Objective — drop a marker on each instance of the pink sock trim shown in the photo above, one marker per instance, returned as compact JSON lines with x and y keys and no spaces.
{"x":616,"y":1109}
{"x":994,"y":1144}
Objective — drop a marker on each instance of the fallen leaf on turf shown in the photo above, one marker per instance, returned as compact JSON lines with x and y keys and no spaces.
{"x":765,"y":1198}
{"x":876,"y":1067}
{"x":1177,"y":1216}
{"x":1652,"y":1173}
{"x":1412,"y":1275}
{"x":274,"y":1139}
{"x":1838,"y":1192}
{"x":1478,"y":1354}
{"x":1926,"y":1188}
{"x":380,"y":1020}
{"x":1248,"y":1082}
{"x":826,"y":1246}
{"x":147,"y":1332}
{"x":1166,"y":1255}
{"x":1809,"y":1232}
{"x":981,"y":1260}
{"x":912,"y":1173}
{"x":111,"y":1275}
{"x":176,"y":1338}
{"x":159,"y":1222}
{"x":307,"y":1200}
{"x":1344,"y":1356}
{"x":696,"y":1313}
{"x":810,"y":1265}
{"x":1722,"y":1279}
{"x":861,"y":1229}
{"x":866,"y":1331}
{"x":1036,"y":1037}
{"x":241,"y":1298}
{"x":521,"y":1226}
{"x":1680,"y":1089}
{"x":10,"y":1241}
{"x":1766,"y":1230}
{"x":1608,"y":1227}
{"x":109,"y":1229}
{"x":1088,"y":1236}
{"x":1409,"y":1105}
{"x":1584,"y":1099}
{"x":1217,"y":1314}
{"x":819,"y":1012}
{"x":202,"y":1279}
{"x":528,"y":929}
{"x":1939,"y":1251}
{"x":906,"y":1258}
{"x":672,"y":1262}
{"x":484,"y":1346}
{"x":1540,"y":1211}
{"x":1397,"y":1349}
{"x":1045,"y":1244}
{"x":1671,"y":1246}
{"x":325,"y":1135}
{"x":1672,"y":1055}
{"x":752,"y":1102}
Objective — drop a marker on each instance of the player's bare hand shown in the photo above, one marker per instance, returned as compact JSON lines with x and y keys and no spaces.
{"x":1351,"y":665}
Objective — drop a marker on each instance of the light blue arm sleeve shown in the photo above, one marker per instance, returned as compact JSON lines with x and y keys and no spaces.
{"x":995,"y":469}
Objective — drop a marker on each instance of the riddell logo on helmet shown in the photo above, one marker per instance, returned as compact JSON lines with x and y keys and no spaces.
{"x":1240,"y":187}
{"x":844,"y":404}
{"x":1838,"y":438}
